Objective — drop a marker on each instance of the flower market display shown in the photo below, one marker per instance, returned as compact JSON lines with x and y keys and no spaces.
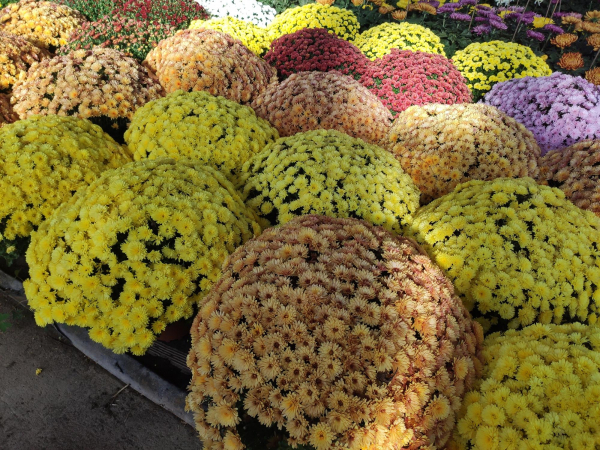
{"x":405,"y":78}
{"x":341,"y":22}
{"x":575,"y":171}
{"x":101,"y":84}
{"x":17,"y":55}
{"x":380,"y":40}
{"x":441,"y":146}
{"x":312,"y":49}
{"x":43,"y":161}
{"x":335,"y":332}
{"x":517,"y":252}
{"x":212,"y":61}
{"x":135,"y":250}
{"x":45,"y":24}
{"x":195,"y":125}
{"x":560,"y":110}
{"x":485,"y":64}
{"x":329,"y":101}
{"x":540,"y":389}
{"x":330,"y":173}
{"x":251,"y":11}
{"x":252,"y":36}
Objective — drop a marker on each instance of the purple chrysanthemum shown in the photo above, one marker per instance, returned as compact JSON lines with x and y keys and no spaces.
{"x":480,"y":30}
{"x":553,"y":28}
{"x":460,"y":16}
{"x":536,"y":35}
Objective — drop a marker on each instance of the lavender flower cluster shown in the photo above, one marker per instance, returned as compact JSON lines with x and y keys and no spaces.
{"x":560,"y":110}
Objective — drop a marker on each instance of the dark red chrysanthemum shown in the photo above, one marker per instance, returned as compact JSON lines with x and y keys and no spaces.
{"x":405,"y":78}
{"x":314,"y":49}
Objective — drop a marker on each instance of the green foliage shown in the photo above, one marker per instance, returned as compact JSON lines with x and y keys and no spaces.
{"x":93,"y":10}
{"x":282,"y":5}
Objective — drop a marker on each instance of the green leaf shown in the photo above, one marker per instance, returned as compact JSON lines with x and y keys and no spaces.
{"x":4,"y":322}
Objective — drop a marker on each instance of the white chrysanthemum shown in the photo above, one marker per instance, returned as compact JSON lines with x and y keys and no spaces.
{"x":248,"y":10}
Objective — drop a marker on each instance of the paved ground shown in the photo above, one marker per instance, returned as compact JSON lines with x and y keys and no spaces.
{"x":70,"y":404}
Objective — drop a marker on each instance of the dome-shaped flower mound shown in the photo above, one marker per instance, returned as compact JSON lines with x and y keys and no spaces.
{"x":7,"y":114}
{"x":441,"y":146}
{"x":540,"y":389}
{"x":44,"y":24}
{"x":330,"y":173}
{"x":517,"y":252}
{"x":560,"y":110}
{"x":16,"y":56}
{"x":575,"y":171}
{"x":43,"y":161}
{"x":101,"y":85}
{"x":216,"y":131}
{"x":252,"y":36}
{"x":208,"y":60}
{"x":132,"y":37}
{"x":339,"y":21}
{"x":320,"y":100}
{"x":339,"y":333}
{"x":404,"y":78}
{"x":314,"y":49}
{"x":381,"y":39}
{"x":175,"y":13}
{"x":135,"y":250}
{"x":484,"y":64}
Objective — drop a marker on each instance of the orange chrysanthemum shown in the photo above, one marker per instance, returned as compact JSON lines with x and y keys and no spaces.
{"x":592,"y":16}
{"x":564,"y":40}
{"x":590,"y":27}
{"x":399,"y":15}
{"x":594,"y":41}
{"x":571,"y":61}
{"x":593,"y":76}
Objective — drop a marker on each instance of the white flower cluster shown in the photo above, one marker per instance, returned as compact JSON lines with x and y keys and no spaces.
{"x":248,"y":10}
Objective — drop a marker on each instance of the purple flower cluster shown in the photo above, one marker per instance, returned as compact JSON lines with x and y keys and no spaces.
{"x":560,"y":110}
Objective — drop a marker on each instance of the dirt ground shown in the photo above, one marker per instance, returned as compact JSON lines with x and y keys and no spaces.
{"x":73,"y":403}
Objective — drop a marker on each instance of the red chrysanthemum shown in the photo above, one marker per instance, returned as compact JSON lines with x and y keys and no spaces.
{"x":314,"y":49}
{"x":405,"y":78}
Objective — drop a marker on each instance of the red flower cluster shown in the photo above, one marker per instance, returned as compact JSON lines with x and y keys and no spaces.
{"x":177,"y":13}
{"x":314,"y":49}
{"x":405,"y":78}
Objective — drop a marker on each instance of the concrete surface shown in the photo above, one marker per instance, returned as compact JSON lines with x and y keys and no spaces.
{"x":72,"y":404}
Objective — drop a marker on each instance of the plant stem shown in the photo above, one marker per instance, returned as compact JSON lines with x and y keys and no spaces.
{"x":594,"y":60}
{"x":519,"y":23}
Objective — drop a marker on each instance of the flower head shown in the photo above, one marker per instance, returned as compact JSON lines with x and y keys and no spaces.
{"x":571,"y":61}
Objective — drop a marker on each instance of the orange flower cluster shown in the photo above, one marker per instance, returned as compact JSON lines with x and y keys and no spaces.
{"x":593,"y":76}
{"x":441,"y":146}
{"x":16,"y":56}
{"x":571,"y":61}
{"x":337,"y":331}
{"x":564,"y":40}
{"x":324,"y":100}
{"x":594,"y":41}
{"x":45,"y":24}
{"x":208,"y":60}
{"x":7,"y":115}
{"x":576,"y":171}
{"x":102,"y":85}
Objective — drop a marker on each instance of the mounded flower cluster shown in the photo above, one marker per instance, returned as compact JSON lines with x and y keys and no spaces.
{"x":440,"y":146}
{"x":339,"y":21}
{"x":208,"y":60}
{"x":174,"y":13}
{"x":517,"y":252}
{"x":404,"y":78}
{"x":560,"y":110}
{"x":100,"y":84}
{"x":313,"y":49}
{"x":7,"y":114}
{"x":338,"y":332}
{"x":135,"y":250}
{"x":252,"y":36}
{"x":575,"y":171}
{"x":132,"y":37}
{"x":43,"y":161}
{"x":213,"y":130}
{"x":45,"y":24}
{"x":16,"y":57}
{"x":92,"y":10}
{"x":381,"y":39}
{"x":328,"y":172}
{"x":324,"y":100}
{"x":253,"y":11}
{"x":484,"y":64}
{"x":540,"y":390}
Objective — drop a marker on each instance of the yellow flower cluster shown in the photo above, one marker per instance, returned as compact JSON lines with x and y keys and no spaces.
{"x":328,"y":172}
{"x":252,"y":36}
{"x":45,"y":24}
{"x":213,"y":130}
{"x":339,"y":21}
{"x":517,"y":252}
{"x":212,"y":61}
{"x":135,"y":250}
{"x":575,"y":171}
{"x":43,"y":160}
{"x":336,"y":332}
{"x":16,"y":56}
{"x":440,"y":146}
{"x":380,"y":40}
{"x":7,"y":114}
{"x":540,"y":390}
{"x":484,"y":64}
